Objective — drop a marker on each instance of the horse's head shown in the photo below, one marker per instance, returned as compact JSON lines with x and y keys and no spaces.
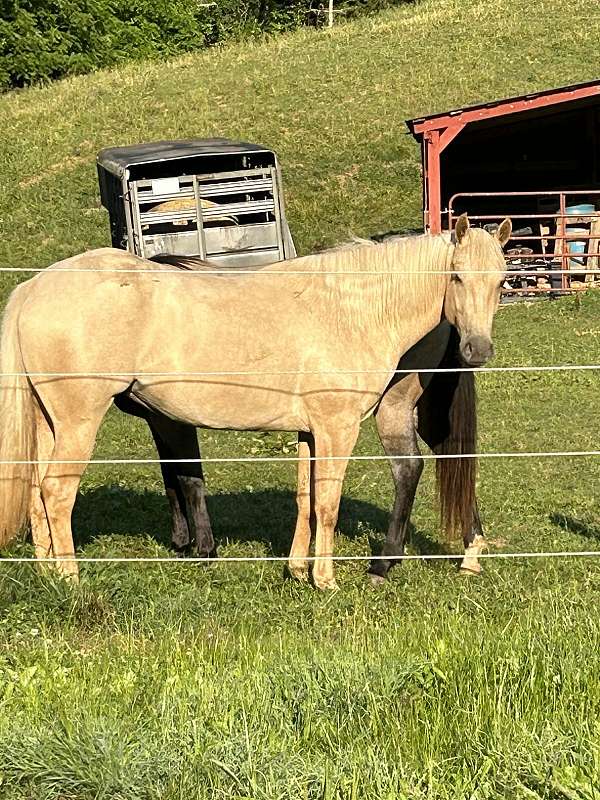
{"x":473,"y":292}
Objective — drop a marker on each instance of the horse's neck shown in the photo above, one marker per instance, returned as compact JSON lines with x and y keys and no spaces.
{"x":416,"y":320}
{"x":416,"y":300}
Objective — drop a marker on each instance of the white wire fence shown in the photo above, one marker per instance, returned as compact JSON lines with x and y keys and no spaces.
{"x":191,"y":560}
{"x":380,"y":371}
{"x":296,"y":459}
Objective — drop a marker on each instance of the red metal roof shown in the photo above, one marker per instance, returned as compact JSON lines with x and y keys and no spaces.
{"x":498,"y":108}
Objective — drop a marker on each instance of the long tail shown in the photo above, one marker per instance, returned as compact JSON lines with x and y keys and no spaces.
{"x":17,"y":432}
{"x":447,"y":421}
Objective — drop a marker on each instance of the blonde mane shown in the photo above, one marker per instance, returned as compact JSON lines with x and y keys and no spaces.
{"x":384,"y":278}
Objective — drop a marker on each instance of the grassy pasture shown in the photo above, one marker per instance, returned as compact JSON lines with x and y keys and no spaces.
{"x":175,"y":682}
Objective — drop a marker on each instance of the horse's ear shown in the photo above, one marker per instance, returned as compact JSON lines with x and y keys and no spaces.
{"x":503,"y":231}
{"x":462,"y":227}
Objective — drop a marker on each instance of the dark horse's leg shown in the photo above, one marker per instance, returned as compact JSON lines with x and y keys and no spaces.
{"x":184,"y":483}
{"x":475,"y":543}
{"x":474,"y":537}
{"x":396,"y":428}
{"x":447,"y":424}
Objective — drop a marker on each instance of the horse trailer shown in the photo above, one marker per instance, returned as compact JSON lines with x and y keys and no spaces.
{"x":217,"y":199}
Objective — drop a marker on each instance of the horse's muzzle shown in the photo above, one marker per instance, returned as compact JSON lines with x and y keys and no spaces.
{"x":476,"y":350}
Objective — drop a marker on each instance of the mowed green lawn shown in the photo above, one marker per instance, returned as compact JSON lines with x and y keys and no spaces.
{"x":177,"y":682}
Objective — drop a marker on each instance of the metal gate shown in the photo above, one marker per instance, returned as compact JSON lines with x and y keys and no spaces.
{"x":552,"y":230}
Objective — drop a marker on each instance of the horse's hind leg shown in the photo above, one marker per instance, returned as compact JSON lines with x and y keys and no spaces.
{"x":73,"y":445}
{"x":475,"y":544}
{"x":442,"y":398}
{"x":297,"y":563}
{"x":40,"y":530}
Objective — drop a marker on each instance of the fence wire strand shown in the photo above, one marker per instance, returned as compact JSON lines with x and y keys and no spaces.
{"x":296,"y":459}
{"x":253,"y":373}
{"x":284,"y":559}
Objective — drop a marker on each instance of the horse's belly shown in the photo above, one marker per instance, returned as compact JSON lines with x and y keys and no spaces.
{"x":227,"y":406}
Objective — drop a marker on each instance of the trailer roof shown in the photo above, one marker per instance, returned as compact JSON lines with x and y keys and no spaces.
{"x":118,"y":159}
{"x":498,"y":108}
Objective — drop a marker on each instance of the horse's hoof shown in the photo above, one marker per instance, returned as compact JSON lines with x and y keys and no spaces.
{"x":376,"y":580}
{"x":68,"y":570}
{"x":181,"y":548}
{"x":472,"y":572}
{"x":325,"y":584}
{"x":297,"y":573}
{"x":201,"y":559}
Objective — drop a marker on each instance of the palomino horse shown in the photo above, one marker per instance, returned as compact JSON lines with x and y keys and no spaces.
{"x":446,"y":421}
{"x":341,"y":319}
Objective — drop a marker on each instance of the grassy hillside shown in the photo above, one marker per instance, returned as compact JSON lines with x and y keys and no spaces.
{"x":174,"y":682}
{"x":333,"y":105}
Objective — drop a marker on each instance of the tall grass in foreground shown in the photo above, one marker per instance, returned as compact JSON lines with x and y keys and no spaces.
{"x":450,"y":702}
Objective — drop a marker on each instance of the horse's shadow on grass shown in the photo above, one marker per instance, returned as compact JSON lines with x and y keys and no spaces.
{"x":267,"y":517}
{"x":573,"y":525}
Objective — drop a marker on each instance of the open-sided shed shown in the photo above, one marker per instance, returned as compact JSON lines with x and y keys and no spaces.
{"x":535,"y":158}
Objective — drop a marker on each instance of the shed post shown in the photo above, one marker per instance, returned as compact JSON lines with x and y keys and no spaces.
{"x":436,"y":141}
{"x":433,"y":210}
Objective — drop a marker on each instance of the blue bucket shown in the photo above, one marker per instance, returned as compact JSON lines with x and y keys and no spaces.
{"x":576,"y":246}
{"x":580,"y":210}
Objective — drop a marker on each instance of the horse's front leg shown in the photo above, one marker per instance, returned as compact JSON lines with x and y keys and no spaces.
{"x":184,"y":484}
{"x":297,"y":563}
{"x":333,"y":447}
{"x":395,"y":425}
{"x":181,"y":538}
{"x":475,"y":544}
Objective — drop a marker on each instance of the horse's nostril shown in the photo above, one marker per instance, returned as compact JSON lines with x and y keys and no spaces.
{"x":477,"y":350}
